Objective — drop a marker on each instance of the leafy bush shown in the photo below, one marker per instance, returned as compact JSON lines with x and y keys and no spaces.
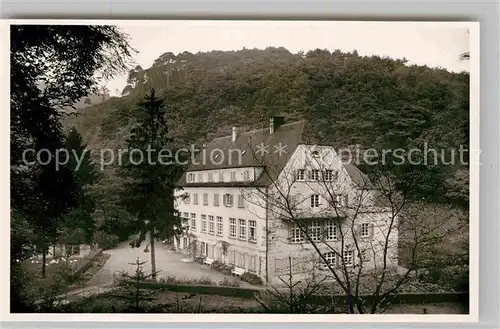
{"x":199,"y":260}
{"x":22,"y":289}
{"x":204,"y":281}
{"x":450,"y":278}
{"x":221,"y":267}
{"x":252,"y":279}
{"x":105,"y":240}
{"x":230,"y":282}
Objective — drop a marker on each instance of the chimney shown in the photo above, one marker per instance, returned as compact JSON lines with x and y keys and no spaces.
{"x":236,"y":133}
{"x":274,"y":123}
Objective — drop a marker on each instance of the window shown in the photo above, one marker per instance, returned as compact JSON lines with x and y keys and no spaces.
{"x":204,"y":248}
{"x":227,"y":200}
{"x":315,"y":201}
{"x":232,"y":258}
{"x":193,"y":222}
{"x":253,"y":265}
{"x":246,"y":175}
{"x":241,"y":201}
{"x":330,"y":230}
{"x":205,"y":199}
{"x":187,"y":198}
{"x":211,"y":225}
{"x":185,"y":219}
{"x":318,"y":230}
{"x":233,"y":176}
{"x":252,"y":231}
{"x":315,"y":230}
{"x":296,"y":235}
{"x":330,"y":175}
{"x":315,"y":154}
{"x":365,"y":230}
{"x":314,"y":174}
{"x":195,"y":198}
{"x":341,"y":200}
{"x":232,"y":228}
{"x":242,"y":229}
{"x":190,"y":177}
{"x":210,"y":177}
{"x":300,"y":174}
{"x":330,"y":258}
{"x":221,"y":176}
{"x":241,"y":260}
{"x":200,"y":177}
{"x":348,"y":258}
{"x":220,"y":226}
{"x":216,"y":200}
{"x":203,"y":223}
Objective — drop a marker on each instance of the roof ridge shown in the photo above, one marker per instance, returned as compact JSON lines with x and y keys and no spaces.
{"x":260,"y":129}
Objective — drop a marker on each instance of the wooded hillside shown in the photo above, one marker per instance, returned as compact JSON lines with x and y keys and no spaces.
{"x":346,"y":99}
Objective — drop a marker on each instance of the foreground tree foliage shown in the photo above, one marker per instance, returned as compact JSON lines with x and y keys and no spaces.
{"x":150,"y":172}
{"x":77,"y":225}
{"x":52,"y":67}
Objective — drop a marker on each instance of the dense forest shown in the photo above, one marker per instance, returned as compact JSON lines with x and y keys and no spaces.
{"x":347,"y":99}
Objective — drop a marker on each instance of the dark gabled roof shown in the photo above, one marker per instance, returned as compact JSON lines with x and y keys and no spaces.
{"x":359,"y":179}
{"x":287,"y":137}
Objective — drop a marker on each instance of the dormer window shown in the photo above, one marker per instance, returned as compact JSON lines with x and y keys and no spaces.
{"x":190,"y":178}
{"x":246,"y":175}
{"x":330,"y":175}
{"x":233,"y":176}
{"x":300,"y":174}
{"x":221,"y":176}
{"x":314,"y":174}
{"x":210,"y":177}
{"x":200,"y":177}
{"x":315,"y":154}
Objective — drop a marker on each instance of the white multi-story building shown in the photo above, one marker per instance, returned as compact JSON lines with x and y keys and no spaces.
{"x":246,"y":196}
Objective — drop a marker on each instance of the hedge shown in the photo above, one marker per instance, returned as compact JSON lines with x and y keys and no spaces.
{"x":409,"y":298}
{"x":199,"y":289}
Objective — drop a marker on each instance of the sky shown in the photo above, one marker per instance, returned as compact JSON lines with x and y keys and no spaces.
{"x":422,"y":43}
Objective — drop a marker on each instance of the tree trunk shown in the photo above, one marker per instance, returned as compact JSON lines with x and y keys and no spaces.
{"x":44,"y":259}
{"x":153,"y":262}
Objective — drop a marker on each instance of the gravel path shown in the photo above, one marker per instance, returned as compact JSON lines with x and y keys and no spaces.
{"x":168,"y":263}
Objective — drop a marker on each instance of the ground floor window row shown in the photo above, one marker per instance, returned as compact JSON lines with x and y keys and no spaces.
{"x":306,"y":264}
{"x":247,"y":261}
{"x":238,"y":229}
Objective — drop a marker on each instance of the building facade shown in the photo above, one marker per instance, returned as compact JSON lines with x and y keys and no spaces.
{"x":266,"y":201}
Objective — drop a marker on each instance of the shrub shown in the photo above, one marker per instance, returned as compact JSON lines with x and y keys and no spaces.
{"x":199,"y":260}
{"x":252,"y":279}
{"x":105,"y":240}
{"x":204,"y":281}
{"x":170,"y":280}
{"x":221,"y":267}
{"x":230,"y":282}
